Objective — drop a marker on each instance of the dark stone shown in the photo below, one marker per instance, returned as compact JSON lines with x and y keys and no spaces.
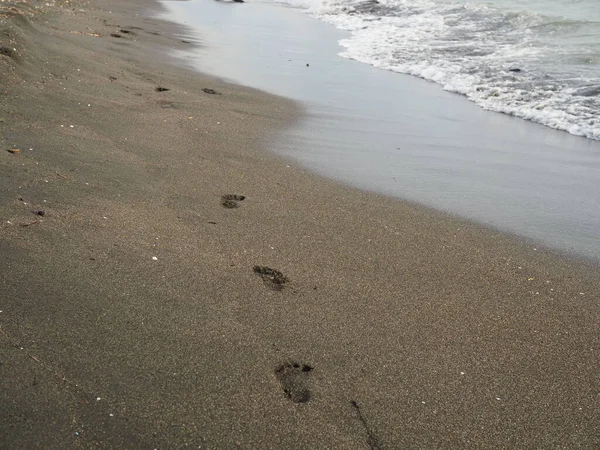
{"x":7,"y":51}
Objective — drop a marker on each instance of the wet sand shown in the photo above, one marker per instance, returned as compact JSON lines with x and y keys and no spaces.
{"x":144,"y":309}
{"x":400,"y":135}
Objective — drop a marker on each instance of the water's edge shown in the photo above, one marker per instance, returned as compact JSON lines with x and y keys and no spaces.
{"x":402,"y":136}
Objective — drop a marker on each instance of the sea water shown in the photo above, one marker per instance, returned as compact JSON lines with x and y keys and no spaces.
{"x":534,"y":59}
{"x":398,"y":134}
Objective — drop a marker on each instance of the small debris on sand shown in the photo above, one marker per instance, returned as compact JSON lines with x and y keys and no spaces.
{"x":27,"y":224}
{"x":7,"y":51}
{"x":272,"y":278}
{"x":14,"y":150}
{"x":230,"y":200}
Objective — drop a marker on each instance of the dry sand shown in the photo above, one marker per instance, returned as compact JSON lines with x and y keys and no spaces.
{"x":132,"y":314}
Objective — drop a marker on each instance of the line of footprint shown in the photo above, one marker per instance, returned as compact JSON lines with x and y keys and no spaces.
{"x":293,"y":376}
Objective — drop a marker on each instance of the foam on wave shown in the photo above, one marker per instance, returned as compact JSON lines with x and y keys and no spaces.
{"x":540,"y":68}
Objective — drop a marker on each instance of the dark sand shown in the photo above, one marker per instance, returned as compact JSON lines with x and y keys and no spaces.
{"x":309,"y":316}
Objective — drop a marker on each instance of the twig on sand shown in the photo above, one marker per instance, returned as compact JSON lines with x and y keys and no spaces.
{"x":373,"y":441}
{"x":27,"y":224}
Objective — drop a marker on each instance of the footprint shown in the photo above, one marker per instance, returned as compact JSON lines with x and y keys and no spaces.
{"x":294,"y":379}
{"x":271,"y":277}
{"x":230,"y":200}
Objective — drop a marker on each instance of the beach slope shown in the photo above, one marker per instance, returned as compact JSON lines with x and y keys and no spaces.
{"x":165,"y":282}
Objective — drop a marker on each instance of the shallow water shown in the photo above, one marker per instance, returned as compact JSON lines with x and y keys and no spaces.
{"x":535,"y":59}
{"x":400,"y":135}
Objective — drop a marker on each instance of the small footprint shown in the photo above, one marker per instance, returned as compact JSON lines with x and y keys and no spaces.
{"x":294,"y":379}
{"x":230,"y":201}
{"x":271,"y":277}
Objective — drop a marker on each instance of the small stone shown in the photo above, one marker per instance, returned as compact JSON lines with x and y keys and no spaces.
{"x":14,"y":150}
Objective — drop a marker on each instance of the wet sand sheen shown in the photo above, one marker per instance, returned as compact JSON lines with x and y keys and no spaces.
{"x":402,"y":136}
{"x":186,"y":288}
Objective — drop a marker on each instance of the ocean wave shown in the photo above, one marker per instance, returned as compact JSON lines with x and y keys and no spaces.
{"x":534,"y":66}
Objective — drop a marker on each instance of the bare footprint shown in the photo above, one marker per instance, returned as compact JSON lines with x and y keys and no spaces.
{"x":294,"y":379}
{"x":271,"y":277}
{"x":231,"y":200}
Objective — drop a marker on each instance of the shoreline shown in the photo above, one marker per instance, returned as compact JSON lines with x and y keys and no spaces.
{"x":138,"y":312}
{"x":398,"y":135}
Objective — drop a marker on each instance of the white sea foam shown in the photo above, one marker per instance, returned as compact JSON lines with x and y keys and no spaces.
{"x":540,"y":68}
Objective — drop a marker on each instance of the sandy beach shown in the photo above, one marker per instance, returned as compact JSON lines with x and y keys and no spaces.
{"x":168,"y":283}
